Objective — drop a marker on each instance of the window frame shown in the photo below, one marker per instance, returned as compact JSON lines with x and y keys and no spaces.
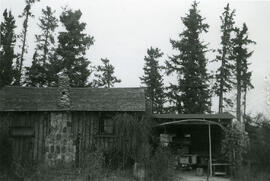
{"x":103,"y":123}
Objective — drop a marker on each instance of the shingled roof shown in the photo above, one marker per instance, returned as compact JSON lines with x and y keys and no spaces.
{"x":82,"y":99}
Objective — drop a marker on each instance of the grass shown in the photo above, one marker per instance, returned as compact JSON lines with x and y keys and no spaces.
{"x":245,"y":174}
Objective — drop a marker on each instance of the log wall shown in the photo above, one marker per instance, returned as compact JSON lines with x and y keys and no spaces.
{"x":31,"y":149}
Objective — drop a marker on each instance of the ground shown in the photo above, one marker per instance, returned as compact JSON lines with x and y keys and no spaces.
{"x":200,"y":178}
{"x":191,"y":176}
{"x":180,"y":176}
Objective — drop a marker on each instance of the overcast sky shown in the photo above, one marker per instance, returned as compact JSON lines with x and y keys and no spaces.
{"x":124,"y":29}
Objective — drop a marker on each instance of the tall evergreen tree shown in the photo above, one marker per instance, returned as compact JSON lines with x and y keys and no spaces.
{"x":153,"y":80}
{"x":246,"y":84}
{"x":224,"y":73}
{"x":70,"y":53}
{"x":105,"y":75}
{"x":19,"y":63}
{"x":240,"y":55}
{"x":191,"y":94}
{"x":7,"y":42}
{"x":36,"y":75}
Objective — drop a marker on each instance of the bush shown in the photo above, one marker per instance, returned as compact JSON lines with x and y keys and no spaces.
{"x":160,"y":166}
{"x":234,"y":146}
{"x":115,"y":159}
{"x":258,"y":157}
{"x":246,"y":174}
{"x":93,"y":165}
{"x":41,"y":174}
{"x":131,"y":143}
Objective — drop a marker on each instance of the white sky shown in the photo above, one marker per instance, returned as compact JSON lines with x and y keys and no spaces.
{"x":124,"y":29}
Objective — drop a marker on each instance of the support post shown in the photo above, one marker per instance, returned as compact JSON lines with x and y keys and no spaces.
{"x":210,"y":150}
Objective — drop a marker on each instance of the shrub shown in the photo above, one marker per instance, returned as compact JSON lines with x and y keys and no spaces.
{"x":131,"y":143}
{"x":22,"y":169}
{"x":41,"y":174}
{"x":93,"y":165}
{"x":258,"y":157}
{"x":234,"y":146}
{"x":160,"y":166}
{"x":246,"y":174}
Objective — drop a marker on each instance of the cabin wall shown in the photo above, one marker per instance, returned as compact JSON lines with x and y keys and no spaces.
{"x":31,"y":148}
{"x":27,"y":148}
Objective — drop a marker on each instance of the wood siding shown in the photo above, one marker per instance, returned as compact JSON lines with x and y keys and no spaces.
{"x":27,"y":148}
{"x":31,"y":149}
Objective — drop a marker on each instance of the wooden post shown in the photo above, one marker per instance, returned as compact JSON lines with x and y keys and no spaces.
{"x":210,"y":150}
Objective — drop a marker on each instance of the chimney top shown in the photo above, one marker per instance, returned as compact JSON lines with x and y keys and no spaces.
{"x":63,"y":101}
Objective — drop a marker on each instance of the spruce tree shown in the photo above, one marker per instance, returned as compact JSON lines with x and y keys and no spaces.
{"x":104,"y":76}
{"x":19,"y":63}
{"x":224,"y":73}
{"x":8,"y":39}
{"x":240,"y":55}
{"x":153,"y":80}
{"x":191,"y":94}
{"x":70,"y":53}
{"x":37,"y":74}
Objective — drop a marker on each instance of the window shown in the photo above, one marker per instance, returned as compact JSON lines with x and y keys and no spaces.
{"x":105,"y":126}
{"x":21,"y":131}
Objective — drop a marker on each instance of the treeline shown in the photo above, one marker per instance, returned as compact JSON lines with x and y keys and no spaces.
{"x":53,"y":53}
{"x":193,"y":91}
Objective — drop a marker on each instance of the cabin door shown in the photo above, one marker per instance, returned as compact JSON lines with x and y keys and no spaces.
{"x":22,"y":145}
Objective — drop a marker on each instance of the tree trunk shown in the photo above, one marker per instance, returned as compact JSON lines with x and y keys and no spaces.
{"x":18,"y":81}
{"x":245,"y":101}
{"x":45,"y":49}
{"x":238,"y":96}
{"x":220,"y":107}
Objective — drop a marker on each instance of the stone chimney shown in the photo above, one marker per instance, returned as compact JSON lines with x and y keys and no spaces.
{"x":63,"y":101}
{"x":59,"y":143}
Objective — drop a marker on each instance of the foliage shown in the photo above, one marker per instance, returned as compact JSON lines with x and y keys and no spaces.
{"x":19,"y":62}
{"x":224,"y":73}
{"x":258,"y":157}
{"x":37,"y":74}
{"x":191,"y":94}
{"x":160,"y":165}
{"x":153,"y":79}
{"x":44,"y":173}
{"x":8,"y":39}
{"x":131,"y":143}
{"x":247,"y":174}
{"x":240,"y":55}
{"x":105,"y":75}
{"x":93,"y":164}
{"x":41,"y":173}
{"x":71,"y":50}
{"x":234,"y":145}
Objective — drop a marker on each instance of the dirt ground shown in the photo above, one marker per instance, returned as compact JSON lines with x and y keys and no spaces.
{"x":193,"y":177}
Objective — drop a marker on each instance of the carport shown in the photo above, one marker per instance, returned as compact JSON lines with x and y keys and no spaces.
{"x":204,"y":131}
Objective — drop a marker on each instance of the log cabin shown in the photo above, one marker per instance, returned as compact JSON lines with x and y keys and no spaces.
{"x":60,"y":123}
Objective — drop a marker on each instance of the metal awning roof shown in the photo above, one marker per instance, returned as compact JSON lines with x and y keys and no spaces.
{"x":191,"y":122}
{"x":223,"y":116}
